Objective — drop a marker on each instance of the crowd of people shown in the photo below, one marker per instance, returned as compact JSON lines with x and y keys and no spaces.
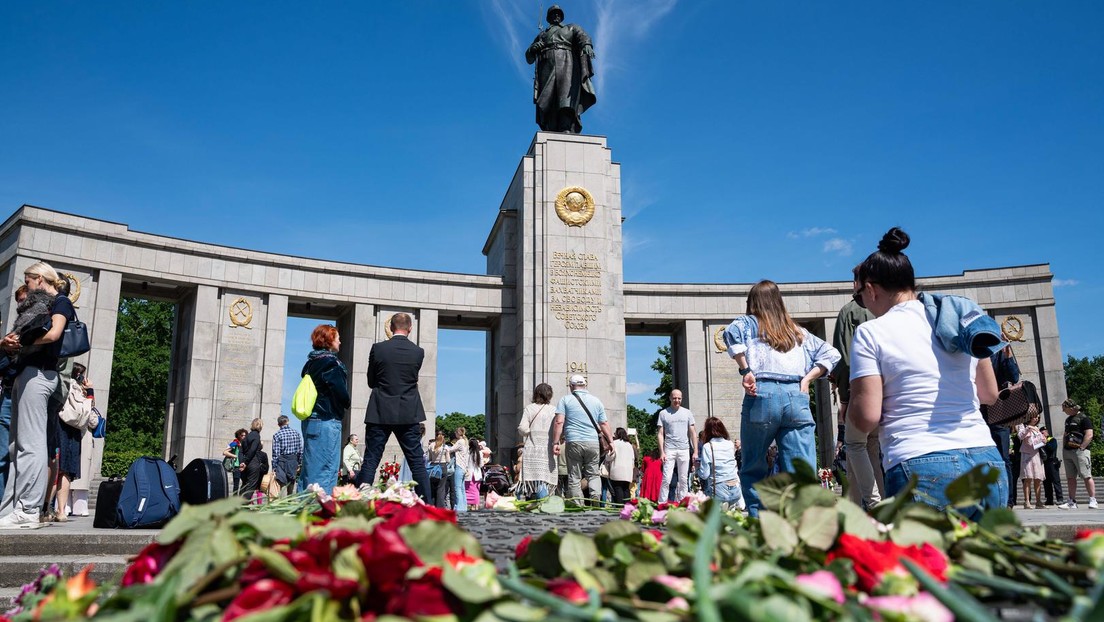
{"x":914,"y":373}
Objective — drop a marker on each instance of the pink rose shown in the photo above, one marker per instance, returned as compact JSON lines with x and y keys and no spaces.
{"x":823,"y":583}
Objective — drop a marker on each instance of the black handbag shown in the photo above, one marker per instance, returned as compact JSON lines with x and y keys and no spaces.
{"x":74,"y":341}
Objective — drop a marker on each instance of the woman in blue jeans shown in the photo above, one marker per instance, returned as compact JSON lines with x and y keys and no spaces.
{"x":462,"y":457}
{"x":322,"y":430}
{"x":926,"y":397}
{"x":778,"y":361}
{"x":717,"y":469}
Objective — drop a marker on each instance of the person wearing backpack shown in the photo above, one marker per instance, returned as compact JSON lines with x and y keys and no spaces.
{"x":322,"y":429}
{"x":1075,"y":454}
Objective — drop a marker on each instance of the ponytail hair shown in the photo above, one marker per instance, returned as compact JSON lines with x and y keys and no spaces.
{"x":888,"y":266}
{"x":47,"y":273}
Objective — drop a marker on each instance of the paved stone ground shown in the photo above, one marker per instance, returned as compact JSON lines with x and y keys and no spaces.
{"x":499,"y":532}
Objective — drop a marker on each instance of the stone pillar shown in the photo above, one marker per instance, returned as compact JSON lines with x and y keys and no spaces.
{"x":272,"y":378}
{"x":1052,"y":374}
{"x":358,"y":332}
{"x":427,"y":378}
{"x":188,"y":425}
{"x":689,"y":356}
{"x":568,"y":273}
{"x":104,"y":321}
{"x":13,"y":278}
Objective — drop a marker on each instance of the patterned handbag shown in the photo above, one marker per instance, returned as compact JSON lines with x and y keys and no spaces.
{"x":1015,"y":404}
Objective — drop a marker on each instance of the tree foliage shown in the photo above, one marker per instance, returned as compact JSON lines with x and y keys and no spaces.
{"x":139,"y":377}
{"x":664,"y":366}
{"x":643,"y":421}
{"x":476,"y":425}
{"x":1085,"y":386}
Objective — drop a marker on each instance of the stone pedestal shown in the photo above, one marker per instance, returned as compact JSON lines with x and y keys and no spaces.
{"x":557,"y":242}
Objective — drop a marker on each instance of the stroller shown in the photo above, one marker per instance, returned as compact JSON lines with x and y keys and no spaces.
{"x":497,"y":478}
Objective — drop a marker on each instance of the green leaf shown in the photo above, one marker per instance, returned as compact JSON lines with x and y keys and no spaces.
{"x":465,"y":588}
{"x":656,"y":616}
{"x":777,"y":532}
{"x":809,"y":496}
{"x":961,"y":604}
{"x":277,"y":564}
{"x":971,"y":487}
{"x":886,"y":511}
{"x":647,"y":567}
{"x":553,"y":504}
{"x":616,"y":530}
{"x":432,"y":539}
{"x":780,"y":607}
{"x":908,"y":531}
{"x":805,"y":473}
{"x":544,"y":555}
{"x":759,"y":571}
{"x":514,"y":612}
{"x":577,"y":552}
{"x":348,"y":565}
{"x":622,"y":554}
{"x":1001,"y":521}
{"x":269,"y":526}
{"x":193,"y":516}
{"x":775,"y":492}
{"x":856,"y":521}
{"x":819,"y":527}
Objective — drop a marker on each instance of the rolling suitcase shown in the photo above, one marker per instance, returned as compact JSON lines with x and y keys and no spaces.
{"x":202,"y":481}
{"x":107,"y":503}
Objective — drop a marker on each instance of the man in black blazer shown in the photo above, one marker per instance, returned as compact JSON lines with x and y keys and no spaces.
{"x":395,"y":406}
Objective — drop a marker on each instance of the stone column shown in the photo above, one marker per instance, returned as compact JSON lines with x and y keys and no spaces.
{"x":188,"y":432}
{"x":689,"y":356}
{"x":272,"y":378}
{"x":104,"y":321}
{"x":358,"y":332}
{"x":1052,"y":374}
{"x":427,"y":378}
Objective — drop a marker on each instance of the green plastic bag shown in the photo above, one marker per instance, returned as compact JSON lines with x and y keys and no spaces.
{"x":302,"y":402}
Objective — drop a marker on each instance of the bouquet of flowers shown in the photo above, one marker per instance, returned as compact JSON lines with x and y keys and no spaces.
{"x":389,"y":471}
{"x":827,"y":477}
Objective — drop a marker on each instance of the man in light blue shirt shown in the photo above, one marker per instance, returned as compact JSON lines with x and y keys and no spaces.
{"x":581,"y":430}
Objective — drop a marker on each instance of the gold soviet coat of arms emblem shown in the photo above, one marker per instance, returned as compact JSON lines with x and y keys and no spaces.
{"x":575,"y":206}
{"x":241,"y":313}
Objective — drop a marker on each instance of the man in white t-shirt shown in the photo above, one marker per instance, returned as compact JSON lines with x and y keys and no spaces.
{"x":678,"y":447}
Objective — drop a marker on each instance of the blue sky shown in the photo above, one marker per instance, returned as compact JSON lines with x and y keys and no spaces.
{"x":757,"y":139}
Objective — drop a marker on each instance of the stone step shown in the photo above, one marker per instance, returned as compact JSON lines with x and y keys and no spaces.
{"x":17,"y":570}
{"x":45,"y":544}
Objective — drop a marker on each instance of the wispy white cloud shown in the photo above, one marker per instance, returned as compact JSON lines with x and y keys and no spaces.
{"x":1064,"y":282}
{"x":639,"y":388}
{"x":621,"y":22}
{"x":811,"y":232}
{"x":838,"y":245}
{"x":630,"y":242}
{"x":511,"y":26}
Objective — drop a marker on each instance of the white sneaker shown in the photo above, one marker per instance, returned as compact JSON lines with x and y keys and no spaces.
{"x":1068,"y":505}
{"x":1092,"y":503}
{"x":19,"y":519}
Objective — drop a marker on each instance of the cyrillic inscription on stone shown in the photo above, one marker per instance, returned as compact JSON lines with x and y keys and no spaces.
{"x":575,"y":288}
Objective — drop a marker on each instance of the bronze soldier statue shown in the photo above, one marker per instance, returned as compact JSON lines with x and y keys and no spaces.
{"x":563,"y":90}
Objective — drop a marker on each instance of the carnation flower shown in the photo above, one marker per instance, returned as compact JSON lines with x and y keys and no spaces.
{"x":822,"y":583}
{"x":627,"y":511}
{"x":922,"y":607}
{"x":659,"y":517}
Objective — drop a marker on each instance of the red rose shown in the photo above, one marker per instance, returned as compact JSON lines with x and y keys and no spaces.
{"x":568,"y":589}
{"x":657,"y":533}
{"x":424,"y":596}
{"x":254,"y":571}
{"x":262,"y":595}
{"x":1083,"y":534}
{"x":460,"y":559}
{"x":386,"y":559}
{"x":149,"y":562}
{"x":343,"y":538}
{"x":398,"y":514}
{"x":872,"y":559}
{"x":522,"y":547}
{"x":314,"y":580}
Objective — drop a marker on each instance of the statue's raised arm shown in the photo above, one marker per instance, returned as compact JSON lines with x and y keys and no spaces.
{"x":563,"y":89}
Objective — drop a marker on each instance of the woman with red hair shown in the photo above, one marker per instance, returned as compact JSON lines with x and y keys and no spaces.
{"x":322,"y":430}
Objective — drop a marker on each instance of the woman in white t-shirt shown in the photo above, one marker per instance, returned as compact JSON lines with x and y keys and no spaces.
{"x":925,"y":397}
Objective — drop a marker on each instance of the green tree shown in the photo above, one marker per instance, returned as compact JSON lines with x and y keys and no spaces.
{"x":476,"y":425}
{"x":139,"y":382}
{"x":642,"y":420}
{"x":1085,"y":386}
{"x":666,"y":383}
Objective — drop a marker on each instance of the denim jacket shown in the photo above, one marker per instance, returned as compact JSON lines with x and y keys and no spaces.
{"x":742,"y":335}
{"x":961,"y":325}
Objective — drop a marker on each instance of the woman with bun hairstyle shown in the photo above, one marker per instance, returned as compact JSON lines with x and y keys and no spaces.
{"x":926,"y":397}
{"x":778,"y":361}
{"x":27,"y":480}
